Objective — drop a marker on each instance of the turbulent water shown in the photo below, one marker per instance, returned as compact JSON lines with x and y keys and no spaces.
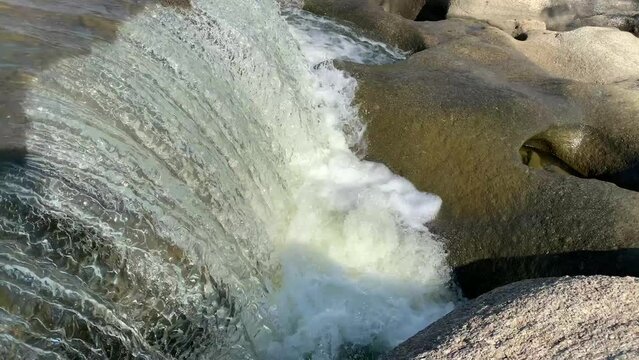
{"x":191,"y":190}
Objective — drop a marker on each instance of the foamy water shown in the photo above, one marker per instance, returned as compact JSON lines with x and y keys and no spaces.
{"x":193,"y":185}
{"x":358,"y":265}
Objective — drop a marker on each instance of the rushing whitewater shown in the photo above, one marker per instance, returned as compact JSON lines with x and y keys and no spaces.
{"x":191,"y":191}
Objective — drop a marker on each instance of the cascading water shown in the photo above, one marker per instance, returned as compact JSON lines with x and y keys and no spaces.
{"x":190,"y":192}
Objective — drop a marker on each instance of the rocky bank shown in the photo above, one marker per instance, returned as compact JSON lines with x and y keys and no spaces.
{"x":556,"y":318}
{"x":523,"y":115}
{"x":532,"y":143}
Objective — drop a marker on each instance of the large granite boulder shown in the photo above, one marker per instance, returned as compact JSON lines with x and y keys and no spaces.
{"x":587,"y":54}
{"x":557,"y":318}
{"x":406,"y":8}
{"x":555,"y":14}
{"x":535,"y":158}
{"x":514,"y":16}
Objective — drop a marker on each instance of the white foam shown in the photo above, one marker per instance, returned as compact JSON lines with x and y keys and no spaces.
{"x":358,"y":265}
{"x":211,"y":123}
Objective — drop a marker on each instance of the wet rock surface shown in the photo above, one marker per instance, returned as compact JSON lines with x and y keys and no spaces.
{"x":532,"y":145}
{"x":560,"y":318}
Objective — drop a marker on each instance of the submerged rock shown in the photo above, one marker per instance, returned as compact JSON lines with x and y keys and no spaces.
{"x":559,"y":318}
{"x":532,"y":145}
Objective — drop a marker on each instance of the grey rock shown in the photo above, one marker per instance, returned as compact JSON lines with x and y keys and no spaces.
{"x":555,"y":318}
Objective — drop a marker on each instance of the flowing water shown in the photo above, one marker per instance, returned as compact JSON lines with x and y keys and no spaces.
{"x":189,"y":188}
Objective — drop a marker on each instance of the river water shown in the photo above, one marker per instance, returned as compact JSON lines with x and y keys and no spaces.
{"x":188,"y":183}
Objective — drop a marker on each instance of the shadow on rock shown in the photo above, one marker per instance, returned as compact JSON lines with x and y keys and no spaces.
{"x":482,"y":276}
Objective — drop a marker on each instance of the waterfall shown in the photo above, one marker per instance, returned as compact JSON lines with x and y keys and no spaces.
{"x":191,"y":191}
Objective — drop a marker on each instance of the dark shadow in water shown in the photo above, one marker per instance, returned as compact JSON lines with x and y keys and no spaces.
{"x":484,"y":275}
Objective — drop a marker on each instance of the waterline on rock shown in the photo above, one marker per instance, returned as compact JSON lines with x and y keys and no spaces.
{"x":359,"y":268}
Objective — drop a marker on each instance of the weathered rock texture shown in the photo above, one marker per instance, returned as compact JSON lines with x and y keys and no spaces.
{"x":516,"y":16}
{"x":559,"y":318}
{"x":555,"y":14}
{"x":406,"y":8}
{"x":532,"y":145}
{"x":588,"y":54}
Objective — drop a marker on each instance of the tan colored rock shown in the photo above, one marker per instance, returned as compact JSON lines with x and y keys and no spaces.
{"x":535,"y":161}
{"x":589,"y":54}
{"x":498,"y":13}
{"x":558,"y":318}
{"x":556,"y":14}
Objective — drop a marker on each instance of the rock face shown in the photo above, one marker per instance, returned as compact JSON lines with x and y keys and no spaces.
{"x":555,"y":14}
{"x":560,"y":318}
{"x":533,"y":145}
{"x":513,"y":16}
{"x":406,"y":8}
{"x":588,"y":54}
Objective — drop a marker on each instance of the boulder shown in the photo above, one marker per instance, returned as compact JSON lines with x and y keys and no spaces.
{"x":372,"y":19}
{"x":555,"y":318}
{"x":536,"y":160}
{"x":555,"y":14}
{"x":406,"y":8}
{"x":513,"y":16}
{"x":587,"y":54}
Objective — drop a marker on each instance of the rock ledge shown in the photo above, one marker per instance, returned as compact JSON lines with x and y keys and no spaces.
{"x":560,"y":318}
